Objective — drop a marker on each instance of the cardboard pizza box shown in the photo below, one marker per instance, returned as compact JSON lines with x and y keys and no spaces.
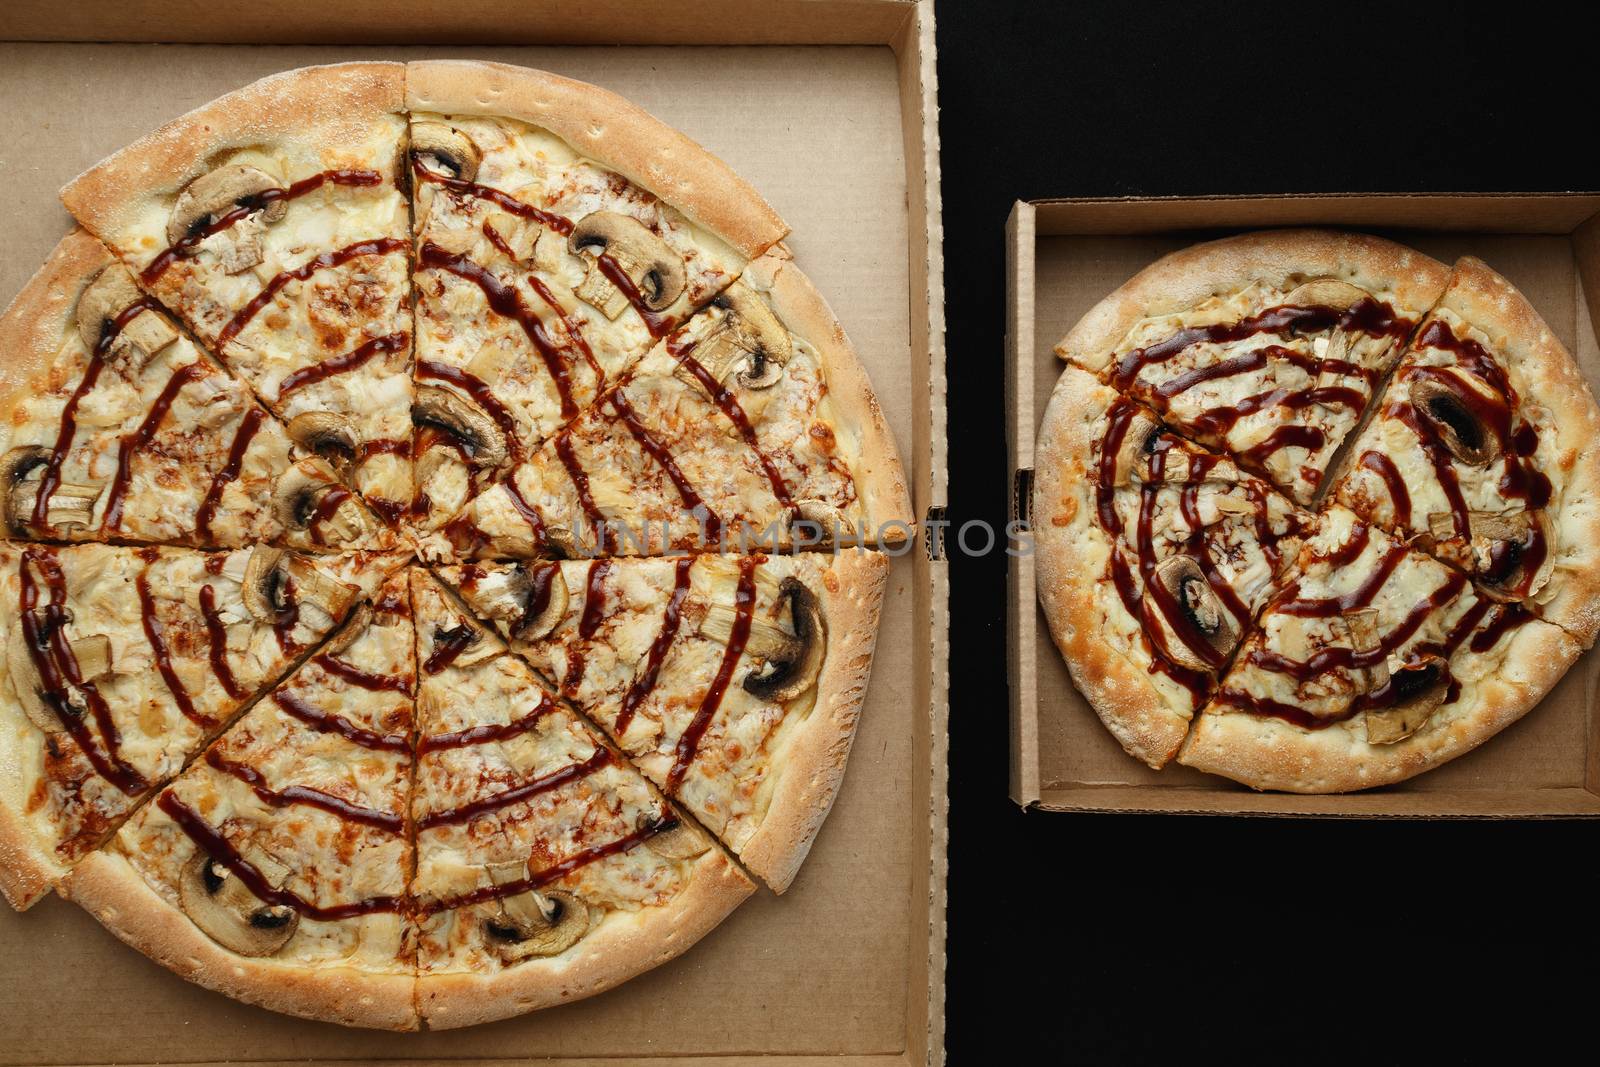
{"x":1065,"y":255}
{"x":847,"y":966}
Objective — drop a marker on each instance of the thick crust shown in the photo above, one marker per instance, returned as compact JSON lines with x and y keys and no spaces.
{"x":336,"y":101}
{"x":1407,"y":278}
{"x":110,"y":889}
{"x":32,"y":327}
{"x":627,"y":944}
{"x":1070,"y":564}
{"x":814,"y":757}
{"x":611,"y":131}
{"x":1268,"y":753}
{"x":880,"y":478}
{"x":1519,"y":333}
{"x":26,"y":871}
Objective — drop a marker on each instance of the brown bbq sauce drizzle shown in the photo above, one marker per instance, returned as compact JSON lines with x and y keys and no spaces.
{"x":299,"y":794}
{"x":505,"y":302}
{"x":217,"y":633}
{"x":343,"y":364}
{"x":516,"y":794}
{"x":448,"y":646}
{"x":663,"y":457}
{"x":50,"y":479}
{"x":504,"y":201}
{"x":328,"y":504}
{"x":381,"y":246}
{"x":1181,"y":621}
{"x":242,"y":437}
{"x":572,"y":327}
{"x":670,"y":619}
{"x":606,"y":541}
{"x":1393,"y":483}
{"x":249,"y":206}
{"x":529,"y":513}
{"x":376,"y":683}
{"x":478,"y":735}
{"x":326,"y":723}
{"x":555,"y":872}
{"x":288,"y":618}
{"x":58,"y":669}
{"x":213,"y":844}
{"x":594,"y":600}
{"x":729,"y":404}
{"x":744,"y":603}
{"x":481,"y":395}
{"x":155,"y":633}
{"x":141,"y":438}
{"x":658,"y":324}
{"x":1366,"y":316}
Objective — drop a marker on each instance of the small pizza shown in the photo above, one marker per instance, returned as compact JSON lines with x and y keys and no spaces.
{"x":244,"y":726}
{"x":1486,"y":450}
{"x":275,"y":867}
{"x":547,"y":867}
{"x":121,"y":663}
{"x":1443,"y":440}
{"x":752,"y":425}
{"x":274,"y":223}
{"x":1267,"y":345}
{"x":121,"y":430}
{"x":733,"y":683}
{"x":559,"y":231}
{"x":1154,"y":557}
{"x":1374,"y":663}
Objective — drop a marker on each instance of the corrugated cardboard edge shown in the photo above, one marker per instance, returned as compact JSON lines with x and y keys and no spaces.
{"x":914,"y":47}
{"x":1572,"y":214}
{"x":1021,"y":620}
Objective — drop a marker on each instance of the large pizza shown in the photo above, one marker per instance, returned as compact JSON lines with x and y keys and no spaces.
{"x":442,"y":541}
{"x":1316,"y":512}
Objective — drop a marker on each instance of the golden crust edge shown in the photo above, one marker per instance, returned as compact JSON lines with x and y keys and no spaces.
{"x":612,"y":131}
{"x":620,"y":950}
{"x":815,"y":757}
{"x":881,"y":477}
{"x":108,"y":887}
{"x":33,"y":326}
{"x":1121,"y":694}
{"x":1264,"y":753}
{"x":329,"y":98}
{"x":1188,"y":276}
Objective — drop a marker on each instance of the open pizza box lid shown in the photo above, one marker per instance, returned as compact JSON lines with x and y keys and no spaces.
{"x":1063,"y":256}
{"x":847,"y":966}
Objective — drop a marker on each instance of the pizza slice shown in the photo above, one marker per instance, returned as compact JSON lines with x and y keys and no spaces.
{"x":559,"y":231}
{"x":547,"y":867}
{"x":274,"y":869}
{"x":733,"y":683}
{"x":121,"y":430}
{"x":272,"y":221}
{"x":1374,"y":664}
{"x":121,"y":662}
{"x":752,"y":426}
{"x":1268,"y":346}
{"x":1153,"y":559}
{"x":1486,"y":452}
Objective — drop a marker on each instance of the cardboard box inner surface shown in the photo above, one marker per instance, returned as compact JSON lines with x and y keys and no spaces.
{"x":1539,"y":765}
{"x":822,"y":970}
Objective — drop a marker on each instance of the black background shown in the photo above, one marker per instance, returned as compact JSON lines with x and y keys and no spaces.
{"x":1077,"y":938}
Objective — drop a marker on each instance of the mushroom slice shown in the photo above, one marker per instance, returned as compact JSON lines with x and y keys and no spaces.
{"x":748,"y":342}
{"x":22,"y":473}
{"x":1133,"y":452}
{"x":1196,"y":630}
{"x":445,"y":150}
{"x":272,"y":576}
{"x":1417,"y":689}
{"x":301,"y":502}
{"x":225,"y":189}
{"x":678,"y":840}
{"x":1446,"y":404}
{"x":92,"y":656}
{"x":350,"y":632}
{"x":328,"y":434}
{"x":109,"y":294}
{"x":790,"y":663}
{"x":1503,"y":547}
{"x":648,"y":261}
{"x":820,"y":523}
{"x":530,"y":599}
{"x":533,"y":923}
{"x":219,"y":903}
{"x":463,"y":420}
{"x":1325,"y":293}
{"x":313,"y":586}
